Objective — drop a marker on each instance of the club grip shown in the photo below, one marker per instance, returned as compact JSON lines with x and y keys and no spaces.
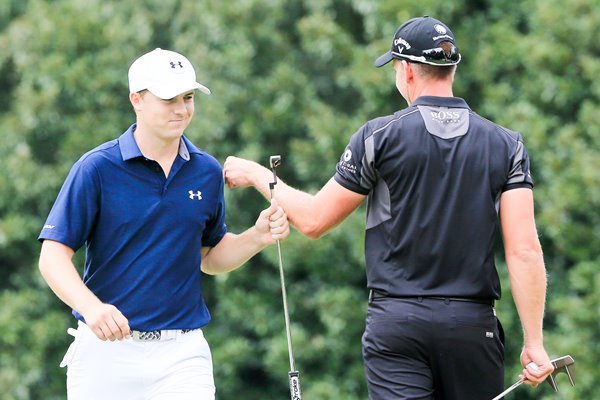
{"x":295,"y":385}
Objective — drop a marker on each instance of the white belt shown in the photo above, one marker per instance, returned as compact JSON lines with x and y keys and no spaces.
{"x":165,"y":334}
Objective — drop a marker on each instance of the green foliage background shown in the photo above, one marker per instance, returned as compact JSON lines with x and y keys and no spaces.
{"x":294,"y":78}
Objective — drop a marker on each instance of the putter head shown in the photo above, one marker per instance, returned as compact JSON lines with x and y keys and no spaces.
{"x":275,"y":161}
{"x":564,"y":364}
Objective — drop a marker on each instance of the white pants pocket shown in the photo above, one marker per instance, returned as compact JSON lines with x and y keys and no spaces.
{"x":70,"y":354}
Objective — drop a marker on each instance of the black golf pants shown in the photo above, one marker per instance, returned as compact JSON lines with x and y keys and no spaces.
{"x":432,"y":349}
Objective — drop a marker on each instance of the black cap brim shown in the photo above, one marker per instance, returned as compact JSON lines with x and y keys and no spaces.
{"x":383,"y":59}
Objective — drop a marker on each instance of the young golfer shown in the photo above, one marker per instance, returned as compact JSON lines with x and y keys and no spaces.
{"x":149,"y":209}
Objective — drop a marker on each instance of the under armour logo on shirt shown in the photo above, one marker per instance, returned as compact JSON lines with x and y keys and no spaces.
{"x":197,"y":194}
{"x":175,"y":64}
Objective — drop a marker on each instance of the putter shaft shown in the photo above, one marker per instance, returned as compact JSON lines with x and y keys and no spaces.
{"x":288,"y":330}
{"x":294,"y":376}
{"x":510,"y":389}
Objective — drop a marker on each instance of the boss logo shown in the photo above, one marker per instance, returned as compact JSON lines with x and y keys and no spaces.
{"x":445,"y":115}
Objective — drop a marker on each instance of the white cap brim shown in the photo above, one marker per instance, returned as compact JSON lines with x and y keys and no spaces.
{"x":169,"y":91}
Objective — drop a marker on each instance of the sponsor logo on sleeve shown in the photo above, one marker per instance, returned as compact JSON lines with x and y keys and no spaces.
{"x":346,"y":162}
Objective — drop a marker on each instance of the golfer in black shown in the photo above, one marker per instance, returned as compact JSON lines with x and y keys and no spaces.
{"x":439,"y":179}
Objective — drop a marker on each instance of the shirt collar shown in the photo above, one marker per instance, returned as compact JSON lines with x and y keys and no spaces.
{"x":186,"y":148}
{"x":128,"y":146}
{"x":450,"y":102}
{"x":130,"y":149}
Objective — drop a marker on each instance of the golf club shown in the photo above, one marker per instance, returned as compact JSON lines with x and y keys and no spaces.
{"x":564,"y":364}
{"x":294,"y":375}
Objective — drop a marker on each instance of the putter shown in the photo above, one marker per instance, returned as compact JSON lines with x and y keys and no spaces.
{"x":294,"y":376}
{"x":564,"y":364}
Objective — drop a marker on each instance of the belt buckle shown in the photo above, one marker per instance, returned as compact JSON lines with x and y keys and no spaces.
{"x":169,"y":334}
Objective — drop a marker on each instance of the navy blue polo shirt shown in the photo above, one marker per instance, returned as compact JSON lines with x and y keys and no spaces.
{"x":434,"y":173}
{"x":142,"y":232}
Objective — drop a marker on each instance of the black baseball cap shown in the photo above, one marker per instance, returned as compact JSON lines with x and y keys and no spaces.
{"x":417,"y":41}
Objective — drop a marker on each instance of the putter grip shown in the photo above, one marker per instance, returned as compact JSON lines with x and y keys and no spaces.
{"x":534,"y":366}
{"x":295,"y":385}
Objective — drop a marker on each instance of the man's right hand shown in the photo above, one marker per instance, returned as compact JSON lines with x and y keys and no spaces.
{"x":106,"y":321}
{"x":240,"y":172}
{"x":536,"y":365}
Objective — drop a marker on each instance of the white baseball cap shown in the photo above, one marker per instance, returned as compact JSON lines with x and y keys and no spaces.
{"x":165,"y":73}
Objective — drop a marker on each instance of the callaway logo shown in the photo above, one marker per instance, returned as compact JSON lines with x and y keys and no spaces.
{"x":195,"y":195}
{"x":402,"y":42}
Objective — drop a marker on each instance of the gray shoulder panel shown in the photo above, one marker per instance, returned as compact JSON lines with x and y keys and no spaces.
{"x":445,"y":123}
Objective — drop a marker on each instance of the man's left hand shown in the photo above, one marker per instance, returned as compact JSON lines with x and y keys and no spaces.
{"x":272,"y":223}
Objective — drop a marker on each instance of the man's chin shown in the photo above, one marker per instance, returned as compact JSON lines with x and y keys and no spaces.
{"x":177,"y":127}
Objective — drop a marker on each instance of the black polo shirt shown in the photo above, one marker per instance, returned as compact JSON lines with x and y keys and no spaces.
{"x":434,"y":173}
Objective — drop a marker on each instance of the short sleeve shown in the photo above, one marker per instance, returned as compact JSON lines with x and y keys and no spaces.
{"x":216,"y":228}
{"x":355,"y":169}
{"x":74,"y":212}
{"x":519,"y":174}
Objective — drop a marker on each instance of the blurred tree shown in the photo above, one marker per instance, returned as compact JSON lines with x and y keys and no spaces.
{"x":293,"y":78}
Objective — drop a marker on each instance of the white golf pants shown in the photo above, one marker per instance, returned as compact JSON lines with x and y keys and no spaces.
{"x":176,"y":369}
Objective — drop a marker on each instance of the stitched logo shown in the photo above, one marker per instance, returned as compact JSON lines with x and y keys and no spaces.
{"x":345,"y":162}
{"x":440,"y":29}
{"x":347,"y":155}
{"x":197,"y":194}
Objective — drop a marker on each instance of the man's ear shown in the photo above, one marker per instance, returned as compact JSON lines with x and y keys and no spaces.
{"x":409,"y":73}
{"x":135,"y":99}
